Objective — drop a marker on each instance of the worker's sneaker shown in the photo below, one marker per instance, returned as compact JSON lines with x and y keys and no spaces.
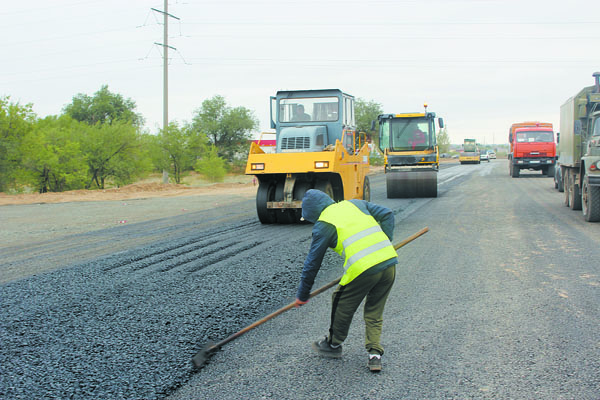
{"x":326,"y":350}
{"x":374,"y":363}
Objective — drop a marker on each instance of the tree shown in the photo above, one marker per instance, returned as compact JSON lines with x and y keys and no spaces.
{"x":177,"y":149}
{"x":103,"y":108}
{"x":228,"y":129}
{"x":16,"y":121}
{"x":366,"y":111}
{"x":211,"y":166}
{"x":443,"y":140}
{"x":52,"y":158}
{"x":113,"y":151}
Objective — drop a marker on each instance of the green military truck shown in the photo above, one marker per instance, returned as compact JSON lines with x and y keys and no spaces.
{"x":579,"y":151}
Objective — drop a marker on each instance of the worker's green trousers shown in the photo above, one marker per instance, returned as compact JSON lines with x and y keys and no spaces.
{"x":346,"y":299}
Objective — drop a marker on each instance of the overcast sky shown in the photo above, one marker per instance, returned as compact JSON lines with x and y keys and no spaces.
{"x":480,"y":64}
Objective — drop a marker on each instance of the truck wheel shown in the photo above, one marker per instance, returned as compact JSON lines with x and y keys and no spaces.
{"x":544,"y":170}
{"x":265,"y":193}
{"x":514,"y":171}
{"x":559,"y":179}
{"x":574,"y":195}
{"x":551,"y":171}
{"x":590,"y":201}
{"x":367,"y":189}
{"x":566,"y":187}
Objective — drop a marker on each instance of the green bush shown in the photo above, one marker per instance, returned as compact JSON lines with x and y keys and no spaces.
{"x":211,"y":166}
{"x":376,"y":159}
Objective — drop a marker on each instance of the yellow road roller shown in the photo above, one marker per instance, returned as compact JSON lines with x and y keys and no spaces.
{"x":317,"y":147}
{"x":411,"y":154}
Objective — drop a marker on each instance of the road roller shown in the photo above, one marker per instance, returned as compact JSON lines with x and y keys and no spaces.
{"x":411,"y":155}
{"x":317,"y":146}
{"x":470,"y":153}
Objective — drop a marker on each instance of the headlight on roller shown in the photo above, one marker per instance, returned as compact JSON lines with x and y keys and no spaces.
{"x":257,"y":167}
{"x":321,"y":164}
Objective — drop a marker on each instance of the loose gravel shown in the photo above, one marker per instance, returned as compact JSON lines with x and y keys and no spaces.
{"x":125,"y":326}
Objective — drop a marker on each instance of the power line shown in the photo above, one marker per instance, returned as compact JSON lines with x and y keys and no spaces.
{"x":69,"y":36}
{"x":460,"y":60}
{"x":397,"y":37}
{"x":53,"y":75}
{"x":390,"y":23}
{"x":321,"y":62}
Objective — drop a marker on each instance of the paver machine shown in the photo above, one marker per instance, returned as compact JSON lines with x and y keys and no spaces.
{"x":411,"y":154}
{"x":317,"y":147}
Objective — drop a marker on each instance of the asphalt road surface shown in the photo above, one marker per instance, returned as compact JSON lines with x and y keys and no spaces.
{"x":500,"y":300}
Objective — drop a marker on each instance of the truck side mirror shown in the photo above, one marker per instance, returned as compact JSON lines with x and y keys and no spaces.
{"x":441,"y":122}
{"x":510,"y":137}
{"x":557,"y":137}
{"x":373,"y":125}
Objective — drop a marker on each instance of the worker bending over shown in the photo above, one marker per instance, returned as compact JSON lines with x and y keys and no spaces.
{"x":361,"y":232}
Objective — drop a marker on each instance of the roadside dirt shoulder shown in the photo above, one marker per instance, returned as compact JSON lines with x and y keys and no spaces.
{"x":133,"y":191}
{"x":136,"y":191}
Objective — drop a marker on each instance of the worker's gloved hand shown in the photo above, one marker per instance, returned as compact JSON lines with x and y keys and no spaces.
{"x":300,"y":303}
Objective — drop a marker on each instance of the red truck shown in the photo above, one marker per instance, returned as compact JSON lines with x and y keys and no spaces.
{"x":532,"y":147}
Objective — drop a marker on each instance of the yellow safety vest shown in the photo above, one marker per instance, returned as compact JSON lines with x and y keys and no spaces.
{"x":361,"y":242}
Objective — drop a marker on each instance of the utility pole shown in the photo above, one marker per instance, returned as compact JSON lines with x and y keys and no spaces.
{"x":166,"y":48}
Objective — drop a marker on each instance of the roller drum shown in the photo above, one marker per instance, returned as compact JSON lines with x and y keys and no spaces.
{"x":409,"y":184}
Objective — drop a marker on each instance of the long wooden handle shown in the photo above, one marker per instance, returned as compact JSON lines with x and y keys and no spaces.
{"x":411,"y":238}
{"x":396,"y":247}
{"x":312,"y":294}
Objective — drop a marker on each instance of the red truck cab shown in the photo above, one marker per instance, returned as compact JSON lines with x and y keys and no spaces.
{"x":532,"y":147}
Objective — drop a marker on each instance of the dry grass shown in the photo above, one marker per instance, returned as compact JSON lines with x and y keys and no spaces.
{"x":152,"y":186}
{"x":193,"y":179}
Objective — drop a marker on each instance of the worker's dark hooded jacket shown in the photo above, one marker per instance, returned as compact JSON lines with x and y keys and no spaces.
{"x":324,"y":235}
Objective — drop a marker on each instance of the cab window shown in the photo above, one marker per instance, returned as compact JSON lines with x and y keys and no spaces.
{"x":384,"y":142}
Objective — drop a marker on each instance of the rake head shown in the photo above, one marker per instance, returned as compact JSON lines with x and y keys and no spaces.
{"x":201,"y":357}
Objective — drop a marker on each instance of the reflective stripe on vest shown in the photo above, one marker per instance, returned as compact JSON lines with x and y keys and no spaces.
{"x":361,"y":242}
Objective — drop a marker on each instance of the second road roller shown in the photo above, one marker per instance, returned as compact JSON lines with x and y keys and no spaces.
{"x":411,"y":154}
